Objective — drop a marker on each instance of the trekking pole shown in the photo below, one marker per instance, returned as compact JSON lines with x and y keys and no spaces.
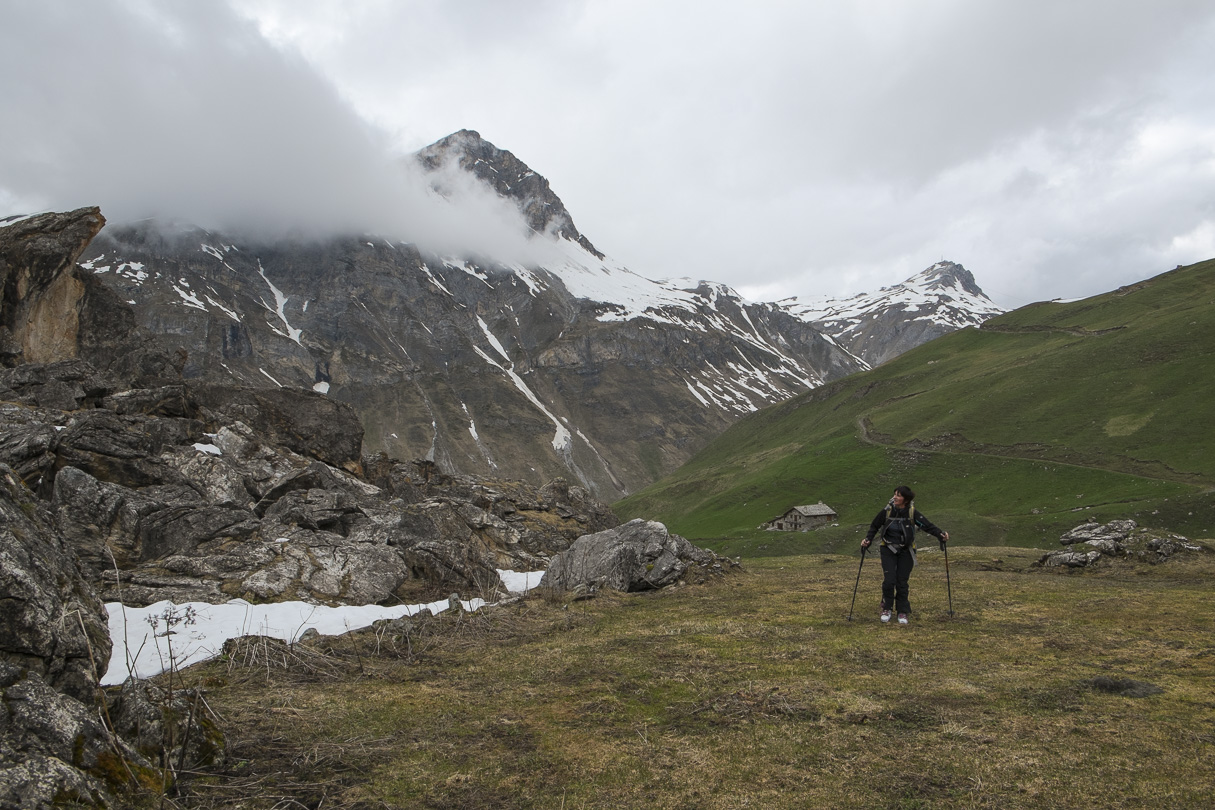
{"x":948,"y":588}
{"x":858,"y":583}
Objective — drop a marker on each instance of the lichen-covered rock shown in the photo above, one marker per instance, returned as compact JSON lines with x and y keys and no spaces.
{"x":54,"y":647}
{"x":640,"y":555}
{"x":1069,"y":559}
{"x":1093,"y":543}
{"x":51,"y":620}
{"x":1110,"y":535}
{"x":55,"y":749}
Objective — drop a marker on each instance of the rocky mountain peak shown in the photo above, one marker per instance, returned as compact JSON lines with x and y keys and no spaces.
{"x":879,"y":326}
{"x":945,"y":275}
{"x":509,"y":177}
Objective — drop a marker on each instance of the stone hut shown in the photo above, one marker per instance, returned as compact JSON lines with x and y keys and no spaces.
{"x":803,"y":518}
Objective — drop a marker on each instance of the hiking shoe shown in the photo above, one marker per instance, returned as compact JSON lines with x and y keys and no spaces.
{"x":902,"y":618}
{"x":885,"y":616}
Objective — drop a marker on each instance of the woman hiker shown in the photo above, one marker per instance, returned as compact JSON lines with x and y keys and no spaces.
{"x":897,"y":524}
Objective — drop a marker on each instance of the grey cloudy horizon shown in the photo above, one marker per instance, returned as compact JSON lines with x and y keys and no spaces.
{"x":1057,"y":150}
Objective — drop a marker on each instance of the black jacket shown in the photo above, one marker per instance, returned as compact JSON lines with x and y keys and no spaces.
{"x":898,"y":519}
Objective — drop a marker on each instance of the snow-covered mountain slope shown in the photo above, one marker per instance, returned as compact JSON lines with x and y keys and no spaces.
{"x":879,"y":326}
{"x":564,"y":364}
{"x":561,"y":363}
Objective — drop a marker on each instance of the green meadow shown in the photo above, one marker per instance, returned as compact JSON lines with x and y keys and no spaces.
{"x":1011,"y":434}
{"x":1044,"y":690}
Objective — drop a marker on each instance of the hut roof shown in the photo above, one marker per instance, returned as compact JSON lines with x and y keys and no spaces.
{"x":819,"y":509}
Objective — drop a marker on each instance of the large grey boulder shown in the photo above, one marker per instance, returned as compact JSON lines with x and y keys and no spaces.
{"x":639,"y":555}
{"x":1106,"y":537}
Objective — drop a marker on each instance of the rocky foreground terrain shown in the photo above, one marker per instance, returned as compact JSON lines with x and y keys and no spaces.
{"x":121,"y":481}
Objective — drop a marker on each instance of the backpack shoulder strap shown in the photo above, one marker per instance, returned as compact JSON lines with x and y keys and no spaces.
{"x":886,"y":525}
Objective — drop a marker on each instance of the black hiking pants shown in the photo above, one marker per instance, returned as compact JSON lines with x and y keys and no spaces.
{"x":896,"y":570}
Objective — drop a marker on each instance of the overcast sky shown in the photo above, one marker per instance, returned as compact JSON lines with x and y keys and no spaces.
{"x":1056,"y":149}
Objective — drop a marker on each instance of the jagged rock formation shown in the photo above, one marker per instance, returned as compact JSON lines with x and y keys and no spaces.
{"x":570,"y":366}
{"x":207,"y":491}
{"x":641,"y":555}
{"x":52,"y":623}
{"x":510,"y":178}
{"x":1092,"y":543}
{"x":54,"y":647}
{"x":163,"y":498}
{"x":880,"y":326}
{"x":52,"y":310}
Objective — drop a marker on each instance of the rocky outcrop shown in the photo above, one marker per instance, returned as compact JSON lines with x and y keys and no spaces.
{"x":40,"y":292}
{"x":55,"y":744}
{"x":54,"y":648}
{"x":164,"y":489}
{"x":195,"y":505}
{"x":51,"y":310}
{"x":161,"y":497}
{"x":638,"y":556}
{"x":303,"y":421}
{"x":56,"y":751}
{"x":1091,"y":544}
{"x":52,"y":622}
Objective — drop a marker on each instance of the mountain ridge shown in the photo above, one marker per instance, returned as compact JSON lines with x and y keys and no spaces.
{"x":567,"y":364}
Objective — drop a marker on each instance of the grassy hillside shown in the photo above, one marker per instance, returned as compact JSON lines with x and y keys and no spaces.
{"x":1046,"y":690}
{"x":1010,"y":434}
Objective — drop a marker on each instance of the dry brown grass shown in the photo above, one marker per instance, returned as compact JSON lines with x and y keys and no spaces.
{"x":750,"y":692}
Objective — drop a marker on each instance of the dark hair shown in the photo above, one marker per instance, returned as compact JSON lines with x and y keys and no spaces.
{"x":906,"y":492}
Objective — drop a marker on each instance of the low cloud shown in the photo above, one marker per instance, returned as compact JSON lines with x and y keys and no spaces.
{"x":784,"y":149}
{"x":184,"y":111}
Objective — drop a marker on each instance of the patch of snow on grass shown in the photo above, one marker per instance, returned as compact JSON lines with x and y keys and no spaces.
{"x":138,"y":652}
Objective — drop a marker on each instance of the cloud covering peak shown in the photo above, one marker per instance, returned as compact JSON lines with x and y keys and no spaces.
{"x":1056,"y":149}
{"x":184,"y":111}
